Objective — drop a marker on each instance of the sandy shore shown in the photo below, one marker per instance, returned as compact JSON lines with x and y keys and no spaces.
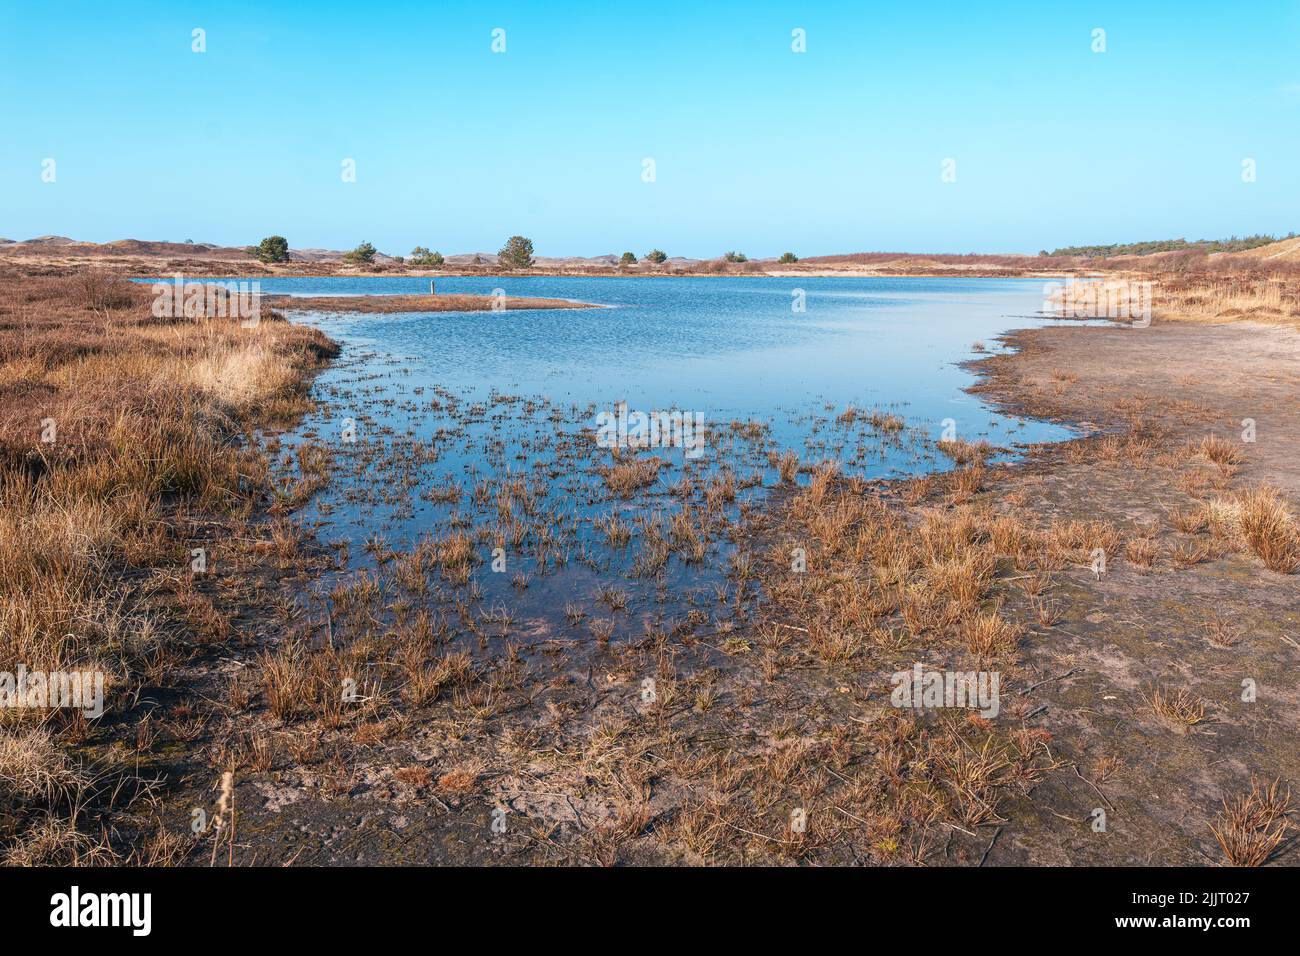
{"x":1204,"y":616}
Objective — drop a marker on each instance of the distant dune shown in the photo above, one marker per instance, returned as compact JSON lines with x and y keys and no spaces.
{"x":127,"y":252}
{"x":137,"y":256}
{"x":63,"y":247}
{"x":1285,"y":250}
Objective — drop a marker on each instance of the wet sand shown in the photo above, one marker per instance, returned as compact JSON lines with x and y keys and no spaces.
{"x":1132,"y":627}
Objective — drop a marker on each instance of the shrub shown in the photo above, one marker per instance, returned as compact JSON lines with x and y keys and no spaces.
{"x":656,"y":256}
{"x":100,"y":291}
{"x":627,"y":259}
{"x":421,"y":256}
{"x":517,"y":253}
{"x":362,"y":253}
{"x":787,"y":258}
{"x":271,"y":249}
{"x":735,"y":257}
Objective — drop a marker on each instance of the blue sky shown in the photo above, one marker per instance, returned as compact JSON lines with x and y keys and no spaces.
{"x":756,"y":148}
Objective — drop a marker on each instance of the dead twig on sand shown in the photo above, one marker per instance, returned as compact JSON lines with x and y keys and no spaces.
{"x":1047,"y":681}
{"x":1093,"y":785}
{"x":996,"y":834}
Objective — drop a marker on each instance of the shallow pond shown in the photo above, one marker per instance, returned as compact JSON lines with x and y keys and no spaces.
{"x":729,"y":348}
{"x":482,"y":431}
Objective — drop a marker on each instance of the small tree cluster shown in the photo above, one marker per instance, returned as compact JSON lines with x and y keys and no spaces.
{"x":271,"y":249}
{"x":421,"y":256}
{"x":362,"y":253}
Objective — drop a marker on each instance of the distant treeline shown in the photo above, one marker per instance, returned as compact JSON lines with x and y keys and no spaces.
{"x":1168,"y":245}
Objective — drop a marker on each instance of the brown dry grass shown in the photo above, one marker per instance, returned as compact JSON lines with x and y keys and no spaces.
{"x":1257,"y":519}
{"x":1219,"y":451}
{"x":1269,"y":529}
{"x":1180,"y":707}
{"x":629,"y":474}
{"x":1251,"y":826}
{"x":117,"y":430}
{"x":1261,"y":296}
{"x":459,"y":780}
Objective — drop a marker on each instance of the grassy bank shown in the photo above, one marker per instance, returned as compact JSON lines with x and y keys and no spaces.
{"x":1217,"y":297}
{"x":120,"y":458}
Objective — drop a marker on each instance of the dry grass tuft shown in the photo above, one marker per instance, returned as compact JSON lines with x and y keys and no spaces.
{"x":788,"y":467}
{"x":1141,"y":552}
{"x":1181,"y":707}
{"x":627,"y":476}
{"x":33,"y":768}
{"x":1189,"y":520}
{"x":1251,"y":826}
{"x":460,"y":780}
{"x":1269,"y":529}
{"x":965,"y":452}
{"x":989,"y":634}
{"x":416,"y":775}
{"x":1219,"y":451}
{"x":1222,"y":633}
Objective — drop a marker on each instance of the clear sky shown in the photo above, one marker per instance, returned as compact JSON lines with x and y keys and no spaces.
{"x":756,"y":147}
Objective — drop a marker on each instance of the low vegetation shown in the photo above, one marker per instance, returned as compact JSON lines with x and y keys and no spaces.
{"x":420,"y":256}
{"x":1233,"y":244}
{"x":1251,"y":826}
{"x":120,"y":454}
{"x":767,"y":596}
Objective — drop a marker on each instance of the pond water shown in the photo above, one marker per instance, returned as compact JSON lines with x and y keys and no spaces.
{"x":483,"y":427}
{"x":728,"y":348}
